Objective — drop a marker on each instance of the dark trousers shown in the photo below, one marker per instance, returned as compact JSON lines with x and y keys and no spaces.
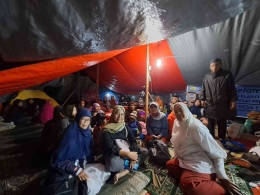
{"x":222,"y":127}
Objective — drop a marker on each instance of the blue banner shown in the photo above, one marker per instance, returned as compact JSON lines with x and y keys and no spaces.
{"x":248,"y":100}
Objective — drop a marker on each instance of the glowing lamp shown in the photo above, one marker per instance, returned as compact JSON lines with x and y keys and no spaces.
{"x":159,"y":63}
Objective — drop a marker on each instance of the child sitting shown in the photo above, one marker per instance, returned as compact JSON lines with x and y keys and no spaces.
{"x":134,"y":124}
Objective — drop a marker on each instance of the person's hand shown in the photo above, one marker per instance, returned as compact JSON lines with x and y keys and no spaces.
{"x":132,"y":162}
{"x":151,"y":137}
{"x":230,"y":187}
{"x":159,"y":137}
{"x":232,"y":105}
{"x":133,"y":155}
{"x":83,"y":176}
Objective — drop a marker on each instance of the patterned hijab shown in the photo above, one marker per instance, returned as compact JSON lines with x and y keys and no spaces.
{"x":113,"y":126}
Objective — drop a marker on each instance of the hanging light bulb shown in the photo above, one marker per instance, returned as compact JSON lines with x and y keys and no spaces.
{"x":159,"y":63}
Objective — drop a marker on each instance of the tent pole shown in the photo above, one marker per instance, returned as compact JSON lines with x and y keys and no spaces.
{"x":147,"y":82}
{"x":69,"y":96}
{"x":97,"y":83}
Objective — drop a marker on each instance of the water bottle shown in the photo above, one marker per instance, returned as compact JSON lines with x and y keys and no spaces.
{"x":248,"y":125}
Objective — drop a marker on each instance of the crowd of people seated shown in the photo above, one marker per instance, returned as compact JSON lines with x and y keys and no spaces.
{"x":198,"y":162}
{"x":74,"y":134}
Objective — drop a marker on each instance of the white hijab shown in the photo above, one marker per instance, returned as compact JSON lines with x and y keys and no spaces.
{"x":180,"y":128}
{"x":160,"y":114}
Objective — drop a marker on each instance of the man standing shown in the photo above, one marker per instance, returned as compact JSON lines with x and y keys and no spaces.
{"x":218,"y":96}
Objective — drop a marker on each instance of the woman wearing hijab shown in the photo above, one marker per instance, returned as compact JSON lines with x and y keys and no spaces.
{"x":96,"y":109}
{"x":69,"y":112}
{"x":113,"y":101}
{"x":71,"y":156}
{"x":200,"y":160}
{"x":115,"y":155}
{"x":157,"y":124}
{"x":196,"y":109}
{"x":106,"y":103}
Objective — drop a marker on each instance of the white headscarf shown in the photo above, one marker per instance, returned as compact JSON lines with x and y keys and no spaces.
{"x":159,"y":115}
{"x":180,"y":128}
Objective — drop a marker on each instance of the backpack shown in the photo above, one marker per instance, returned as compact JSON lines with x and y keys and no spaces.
{"x":158,"y":152}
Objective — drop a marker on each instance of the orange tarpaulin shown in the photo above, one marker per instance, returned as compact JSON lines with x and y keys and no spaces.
{"x":26,"y":76}
{"x":123,"y":71}
{"x":126,"y":72}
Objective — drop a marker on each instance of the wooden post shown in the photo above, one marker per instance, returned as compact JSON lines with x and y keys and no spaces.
{"x":147,"y":81}
{"x":97,"y":83}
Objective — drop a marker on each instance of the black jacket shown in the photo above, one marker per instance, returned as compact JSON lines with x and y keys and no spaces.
{"x":218,"y":90}
{"x":110,"y":146}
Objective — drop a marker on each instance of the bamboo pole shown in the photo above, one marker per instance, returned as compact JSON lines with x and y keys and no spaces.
{"x":147,"y":82}
{"x":97,"y":83}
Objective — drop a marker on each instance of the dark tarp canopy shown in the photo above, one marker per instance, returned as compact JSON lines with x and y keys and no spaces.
{"x":57,"y":33}
{"x":236,"y":41}
{"x":37,"y":30}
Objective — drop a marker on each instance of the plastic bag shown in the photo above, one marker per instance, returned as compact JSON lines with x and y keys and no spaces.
{"x":235,"y":130}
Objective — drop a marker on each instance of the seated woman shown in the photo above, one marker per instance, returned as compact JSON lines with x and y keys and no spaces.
{"x":18,"y":114}
{"x":115,"y":154}
{"x":106,"y":103}
{"x":141,"y":103}
{"x":113,"y":102}
{"x":196,"y":109}
{"x":75,"y":150}
{"x":96,"y":109}
{"x":156,"y":124}
{"x":122,"y":100}
{"x":98,"y":123}
{"x":69,"y":112}
{"x":81,"y":104}
{"x":200,"y":160}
